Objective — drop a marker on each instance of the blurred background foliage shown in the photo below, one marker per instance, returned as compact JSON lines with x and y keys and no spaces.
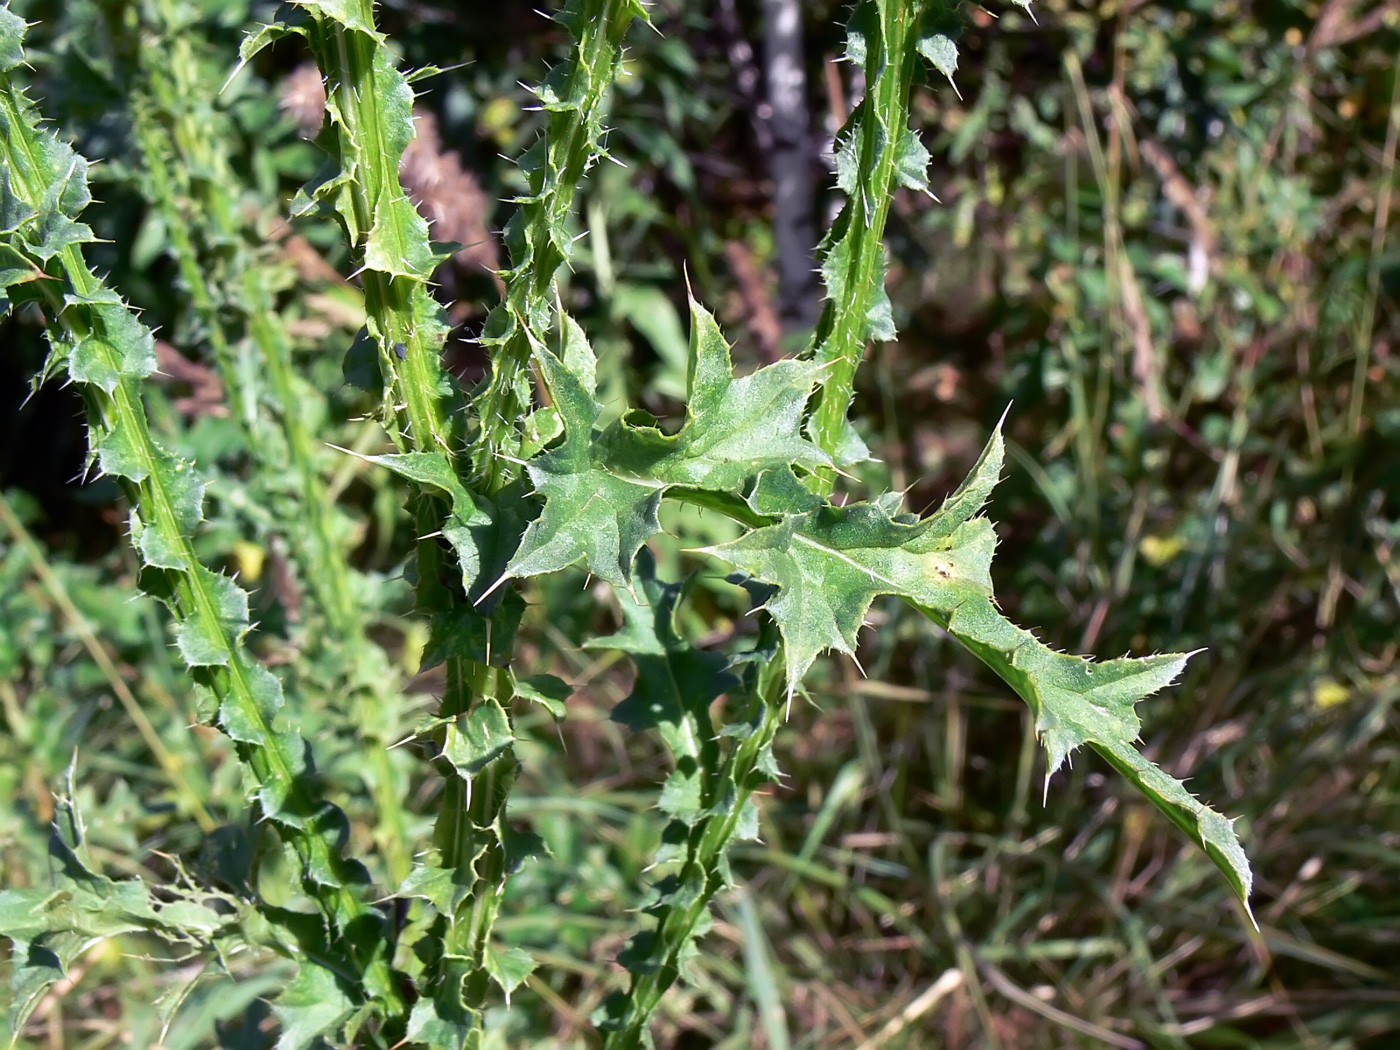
{"x":1165,"y":234}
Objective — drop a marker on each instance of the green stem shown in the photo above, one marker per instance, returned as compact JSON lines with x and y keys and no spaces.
{"x":854,"y":250}
{"x":854,"y":264}
{"x":366,"y":97}
{"x":710,"y":838}
{"x":177,"y":94}
{"x":271,"y":762}
{"x":105,"y":349}
{"x":537,"y":234}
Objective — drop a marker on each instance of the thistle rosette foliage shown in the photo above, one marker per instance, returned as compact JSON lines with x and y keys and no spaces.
{"x":100,"y":345}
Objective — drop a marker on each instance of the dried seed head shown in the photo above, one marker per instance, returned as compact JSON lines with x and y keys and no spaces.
{"x":303,"y":98}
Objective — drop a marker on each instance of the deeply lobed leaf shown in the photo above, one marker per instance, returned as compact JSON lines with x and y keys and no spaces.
{"x":602,"y":488}
{"x":829,"y":564}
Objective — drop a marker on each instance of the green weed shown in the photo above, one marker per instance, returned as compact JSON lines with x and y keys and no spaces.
{"x":403,"y":934}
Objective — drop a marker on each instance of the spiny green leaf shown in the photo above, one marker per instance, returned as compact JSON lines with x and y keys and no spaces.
{"x":864,"y":23}
{"x":602,"y":490}
{"x":547,"y":690}
{"x":22,"y":912}
{"x":11,"y":40}
{"x":941,"y":52}
{"x":16,"y":271}
{"x":352,"y":14}
{"x":203,"y":640}
{"x":911,"y":166}
{"x":734,"y":428}
{"x":260,"y":38}
{"x":847,"y":165}
{"x":441,"y":887}
{"x":42,"y":189}
{"x":443,"y":1022}
{"x":281,"y":798}
{"x":590,"y":513}
{"x":466,"y":518}
{"x":508,"y":967}
{"x":398,"y":241}
{"x":35,"y":968}
{"x":879,"y":314}
{"x":246,"y":722}
{"x":313,"y":1006}
{"x":477,"y":738}
{"x":830,"y":564}
{"x":577,"y":355}
{"x":118,"y":347}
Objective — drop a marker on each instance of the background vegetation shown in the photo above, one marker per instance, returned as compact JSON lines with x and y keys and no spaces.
{"x":1165,"y":233}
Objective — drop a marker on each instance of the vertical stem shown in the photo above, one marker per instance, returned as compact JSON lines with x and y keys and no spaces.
{"x":537,"y":234}
{"x":176,"y":120}
{"x":709,"y":839}
{"x":105,"y":349}
{"x":854,"y":250}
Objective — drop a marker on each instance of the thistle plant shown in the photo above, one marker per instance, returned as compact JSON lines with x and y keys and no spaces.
{"x":368,"y":125}
{"x":522,"y":478}
{"x":230,"y":280}
{"x":100,"y":345}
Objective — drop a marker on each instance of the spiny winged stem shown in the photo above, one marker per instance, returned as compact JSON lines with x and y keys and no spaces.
{"x":369,"y":105}
{"x":682,"y":908}
{"x":876,"y":153}
{"x":875,"y":142}
{"x":101,"y":346}
{"x":828,"y":563}
{"x":736,"y":454}
{"x":537,"y":236}
{"x":369,"y":124}
{"x":189,"y":172}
